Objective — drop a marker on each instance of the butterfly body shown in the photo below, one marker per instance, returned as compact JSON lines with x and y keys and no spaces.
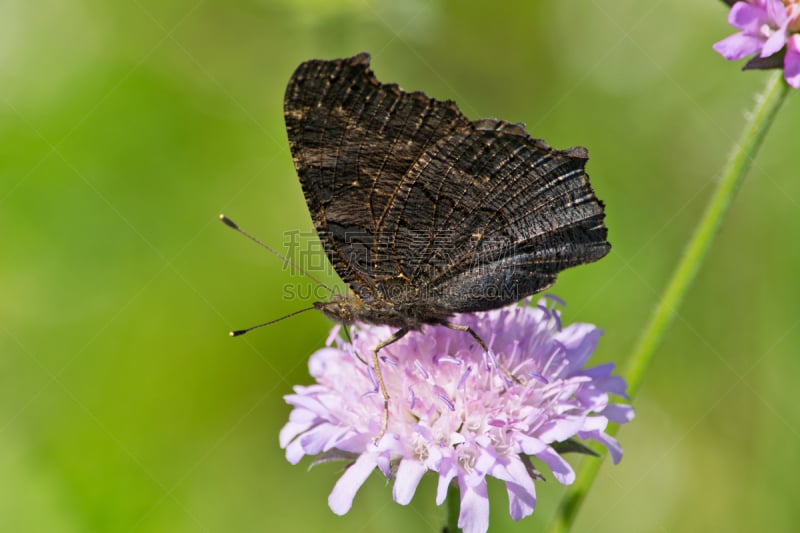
{"x":412,"y":315}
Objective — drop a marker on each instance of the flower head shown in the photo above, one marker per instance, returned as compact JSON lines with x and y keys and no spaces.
{"x":454,"y":410}
{"x":769,"y":28}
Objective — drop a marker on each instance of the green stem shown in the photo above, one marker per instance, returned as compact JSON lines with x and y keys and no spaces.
{"x":453,"y":506}
{"x":767,"y":105}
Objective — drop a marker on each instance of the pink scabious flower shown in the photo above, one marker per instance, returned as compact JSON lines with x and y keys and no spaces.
{"x":769,"y":28}
{"x":454,"y":410}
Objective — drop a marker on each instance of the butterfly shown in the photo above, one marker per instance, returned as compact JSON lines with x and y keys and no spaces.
{"x":425,"y":214}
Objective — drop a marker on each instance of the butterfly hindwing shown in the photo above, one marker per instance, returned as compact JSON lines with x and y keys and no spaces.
{"x":510,"y":211}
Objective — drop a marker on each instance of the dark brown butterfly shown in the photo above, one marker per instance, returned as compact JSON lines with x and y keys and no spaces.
{"x":424,"y":213}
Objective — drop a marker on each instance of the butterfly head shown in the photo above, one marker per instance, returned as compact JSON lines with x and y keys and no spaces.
{"x":339,"y":309}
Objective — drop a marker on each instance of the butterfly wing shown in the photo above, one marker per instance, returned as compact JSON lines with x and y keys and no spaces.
{"x":353,"y":140}
{"x":509,"y":211}
{"x":417,"y":205}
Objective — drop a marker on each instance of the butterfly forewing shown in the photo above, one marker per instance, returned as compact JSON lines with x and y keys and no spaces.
{"x":353,"y":140}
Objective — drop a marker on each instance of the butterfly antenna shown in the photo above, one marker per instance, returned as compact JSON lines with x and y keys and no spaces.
{"x":231,"y":224}
{"x":243,"y":331}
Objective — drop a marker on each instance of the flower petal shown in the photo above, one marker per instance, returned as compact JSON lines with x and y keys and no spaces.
{"x":315,"y":439}
{"x":791,"y":63}
{"x":613,"y":384}
{"x":776,"y":12}
{"x":747,"y":17}
{"x":561,"y":469}
{"x":521,"y":490}
{"x":447,"y":471}
{"x":332,"y":335}
{"x":592,"y":398}
{"x":307,"y":400}
{"x":319,"y":362}
{"x":291,"y":430}
{"x":774,"y":43}
{"x":341,"y":498}
{"x":738,"y":46}
{"x":521,"y":502}
{"x":409,"y":473}
{"x":611,"y":444}
{"x":294,"y":452}
{"x":619,"y":413}
{"x":580,"y":340}
{"x":594,"y":423}
{"x":560,"y":429}
{"x":530,"y":445}
{"x":473,"y":517}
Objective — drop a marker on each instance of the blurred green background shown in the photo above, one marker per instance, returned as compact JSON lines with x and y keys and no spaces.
{"x":127,"y":126}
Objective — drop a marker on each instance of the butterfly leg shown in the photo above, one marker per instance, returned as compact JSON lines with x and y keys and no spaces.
{"x":467,"y":329}
{"x":399,"y":334}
